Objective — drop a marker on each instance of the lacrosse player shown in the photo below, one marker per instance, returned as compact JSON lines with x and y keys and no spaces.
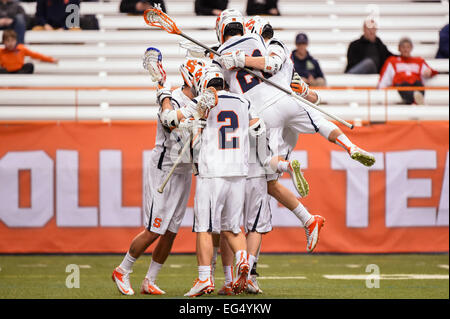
{"x":223,"y":166}
{"x":230,"y":32}
{"x":164,"y":212}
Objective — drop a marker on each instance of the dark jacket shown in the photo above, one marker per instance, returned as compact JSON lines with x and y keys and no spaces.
{"x":10,"y":9}
{"x":307,"y":66}
{"x":357,"y":49}
{"x":129,"y":6}
{"x":259,"y":7}
{"x":205,"y":7}
{"x":53,"y":12}
{"x":443,"y":44}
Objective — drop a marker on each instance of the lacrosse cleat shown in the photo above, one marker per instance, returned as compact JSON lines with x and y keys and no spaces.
{"x":200,"y":288}
{"x":150,"y":288}
{"x":361,"y":156}
{"x":300,"y":183}
{"x":312,"y":232}
{"x":240,"y":279}
{"x":122,"y":280}
{"x":253,"y":286}
{"x":226,"y":290}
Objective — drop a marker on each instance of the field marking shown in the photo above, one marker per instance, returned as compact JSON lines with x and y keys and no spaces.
{"x":175,"y":266}
{"x":262,"y":266}
{"x":443,"y":266}
{"x":387,"y":277}
{"x":276,"y":277}
{"x":33,"y":265}
{"x":353,"y":265}
{"x":85,"y":266}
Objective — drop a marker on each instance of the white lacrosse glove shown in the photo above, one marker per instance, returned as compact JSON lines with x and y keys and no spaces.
{"x":206,"y":101}
{"x":232,"y":60}
{"x":258,"y":128}
{"x":299,"y":86}
{"x":162,"y":93}
{"x":192,"y":125}
{"x":152,"y":62}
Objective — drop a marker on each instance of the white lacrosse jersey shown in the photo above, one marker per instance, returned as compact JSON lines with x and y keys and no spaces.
{"x":168,"y":143}
{"x":225,"y":141}
{"x":241,"y":82}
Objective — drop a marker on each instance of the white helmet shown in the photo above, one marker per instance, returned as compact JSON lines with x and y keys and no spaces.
{"x":227,"y":17}
{"x":210,"y":73}
{"x":191,"y":70}
{"x":257,"y":25}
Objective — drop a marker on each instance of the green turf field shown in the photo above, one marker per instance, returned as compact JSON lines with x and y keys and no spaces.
{"x":281,"y":276}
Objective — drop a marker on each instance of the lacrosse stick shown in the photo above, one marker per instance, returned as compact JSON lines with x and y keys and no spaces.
{"x":156,"y":18}
{"x":208,"y":100}
{"x":152,"y":62}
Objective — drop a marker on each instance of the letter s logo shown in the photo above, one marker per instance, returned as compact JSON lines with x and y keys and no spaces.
{"x":157,"y":222}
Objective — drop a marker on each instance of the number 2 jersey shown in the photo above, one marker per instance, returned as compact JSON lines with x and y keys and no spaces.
{"x":169,"y":143}
{"x":225,"y":141}
{"x":260,"y":93}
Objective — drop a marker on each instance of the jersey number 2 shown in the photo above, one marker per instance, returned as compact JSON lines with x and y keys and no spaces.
{"x":232,"y":118}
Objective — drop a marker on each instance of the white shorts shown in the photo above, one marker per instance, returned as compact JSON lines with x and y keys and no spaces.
{"x":290,"y":113}
{"x":257,"y":214}
{"x":219,"y":204}
{"x":165,"y":211}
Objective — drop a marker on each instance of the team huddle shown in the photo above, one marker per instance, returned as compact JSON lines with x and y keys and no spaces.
{"x":241,"y":132}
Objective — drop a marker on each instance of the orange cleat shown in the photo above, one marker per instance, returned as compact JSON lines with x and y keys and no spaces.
{"x":312,"y":232}
{"x":122,"y":280}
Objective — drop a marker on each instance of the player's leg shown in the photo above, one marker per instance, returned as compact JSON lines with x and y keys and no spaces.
{"x":216,"y":246}
{"x":204,"y":210}
{"x":227,"y":257}
{"x":230,"y":220}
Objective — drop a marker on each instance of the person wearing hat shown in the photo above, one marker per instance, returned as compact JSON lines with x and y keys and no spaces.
{"x":305,"y":65}
{"x":406,"y":70}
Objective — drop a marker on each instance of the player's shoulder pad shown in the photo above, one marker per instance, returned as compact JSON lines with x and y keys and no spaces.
{"x":275,"y":41}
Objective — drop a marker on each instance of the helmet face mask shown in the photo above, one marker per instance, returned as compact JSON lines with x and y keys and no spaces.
{"x":191,"y":69}
{"x":226,"y":18}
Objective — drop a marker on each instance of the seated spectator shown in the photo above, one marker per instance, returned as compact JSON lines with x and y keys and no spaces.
{"x":210,"y":7}
{"x":367,"y":54}
{"x":12,"y":57}
{"x":262,"y":7}
{"x":304,"y":64}
{"x":139,"y":6}
{"x":405,"y":70}
{"x":51,"y":14}
{"x":12,"y":16}
{"x":443,"y":43}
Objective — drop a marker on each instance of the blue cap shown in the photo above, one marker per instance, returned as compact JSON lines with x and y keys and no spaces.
{"x":301,"y":38}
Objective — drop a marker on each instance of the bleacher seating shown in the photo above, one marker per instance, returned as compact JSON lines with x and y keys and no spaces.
{"x":111,"y":57}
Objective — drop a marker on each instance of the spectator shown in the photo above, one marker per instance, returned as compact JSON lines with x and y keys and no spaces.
{"x":405,"y":70}
{"x":51,"y":14}
{"x":262,"y":7}
{"x":367,"y":54}
{"x":210,"y":7}
{"x":13,"y":55}
{"x":304,"y":64}
{"x":12,"y":16}
{"x":139,"y":6}
{"x":443,"y":43}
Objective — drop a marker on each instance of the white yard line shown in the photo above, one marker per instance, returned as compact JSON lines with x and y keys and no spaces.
{"x":33,"y":265}
{"x":353,"y":266}
{"x":388,"y":277}
{"x":443,"y":266}
{"x":85,"y":266}
{"x":262,"y":266}
{"x":174,"y":266}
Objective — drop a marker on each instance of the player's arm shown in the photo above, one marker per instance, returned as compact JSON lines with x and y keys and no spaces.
{"x":302,"y":89}
{"x":271,"y":63}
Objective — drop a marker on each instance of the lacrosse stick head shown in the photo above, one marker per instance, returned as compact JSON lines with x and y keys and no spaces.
{"x":155,"y":17}
{"x":152,"y":62}
{"x":192,"y":50}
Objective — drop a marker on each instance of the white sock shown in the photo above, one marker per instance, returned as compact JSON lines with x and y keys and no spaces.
{"x":228,"y":274}
{"x":204,"y":272}
{"x":251,"y":262}
{"x":282,"y":166}
{"x":240,"y":254}
{"x":127,"y":262}
{"x":302,"y":214}
{"x":343,"y":141}
{"x":153,"y":271}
